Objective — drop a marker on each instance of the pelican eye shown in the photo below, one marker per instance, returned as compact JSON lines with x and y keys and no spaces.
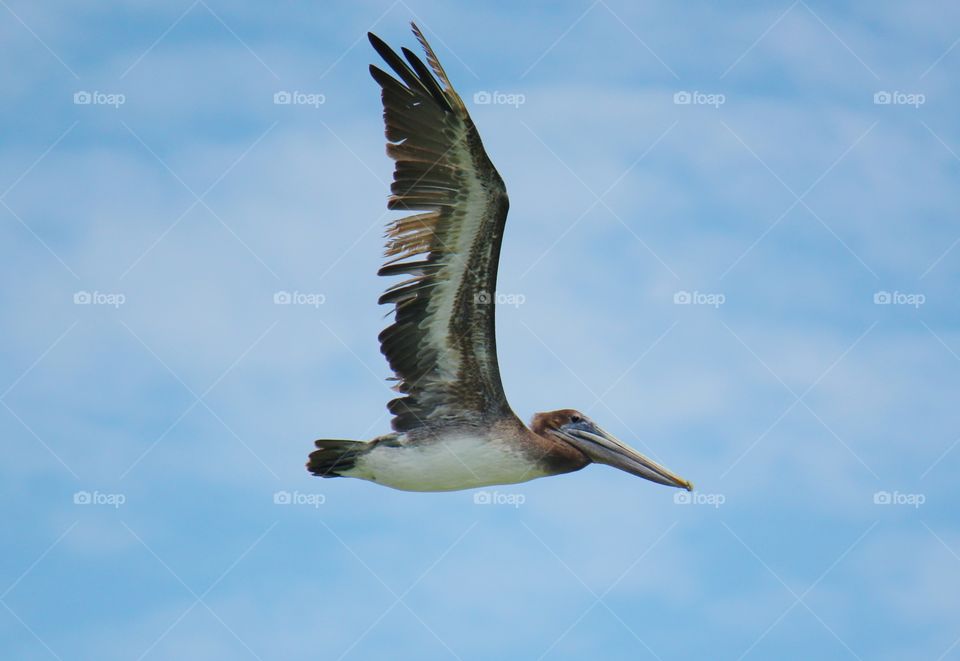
{"x":576,"y":418}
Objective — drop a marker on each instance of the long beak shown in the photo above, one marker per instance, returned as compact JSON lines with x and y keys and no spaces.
{"x":605,"y":448}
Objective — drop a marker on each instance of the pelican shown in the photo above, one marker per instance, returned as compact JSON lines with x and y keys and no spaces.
{"x":452,"y":426}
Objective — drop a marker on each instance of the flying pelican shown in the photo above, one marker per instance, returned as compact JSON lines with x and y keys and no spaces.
{"x":452,"y":426}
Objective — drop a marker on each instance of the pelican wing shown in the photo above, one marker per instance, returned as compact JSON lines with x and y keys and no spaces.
{"x":442,"y":344}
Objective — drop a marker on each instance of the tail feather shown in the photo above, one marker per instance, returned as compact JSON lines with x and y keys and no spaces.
{"x":333,"y":457}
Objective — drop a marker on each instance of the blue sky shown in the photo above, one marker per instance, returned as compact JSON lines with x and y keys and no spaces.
{"x":791,"y":170}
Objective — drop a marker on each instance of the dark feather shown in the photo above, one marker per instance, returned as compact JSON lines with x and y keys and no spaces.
{"x":442,"y":344}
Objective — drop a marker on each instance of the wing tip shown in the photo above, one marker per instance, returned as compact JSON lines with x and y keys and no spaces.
{"x":376,"y":41}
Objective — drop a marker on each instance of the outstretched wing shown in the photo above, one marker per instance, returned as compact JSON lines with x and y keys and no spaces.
{"x":442,"y":345}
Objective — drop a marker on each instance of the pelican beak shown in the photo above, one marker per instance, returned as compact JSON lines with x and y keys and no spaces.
{"x":604,"y":448}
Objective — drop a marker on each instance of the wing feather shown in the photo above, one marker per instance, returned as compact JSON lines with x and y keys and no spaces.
{"x":442,"y":342}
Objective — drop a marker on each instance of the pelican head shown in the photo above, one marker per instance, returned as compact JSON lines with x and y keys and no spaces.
{"x":599,"y":446}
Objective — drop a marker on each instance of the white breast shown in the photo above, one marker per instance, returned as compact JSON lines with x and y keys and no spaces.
{"x":445,"y":465}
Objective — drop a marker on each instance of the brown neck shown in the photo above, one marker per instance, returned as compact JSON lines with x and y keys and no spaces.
{"x":555,"y":455}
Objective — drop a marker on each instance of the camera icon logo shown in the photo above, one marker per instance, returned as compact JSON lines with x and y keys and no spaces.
{"x":82,"y":498}
{"x":882,"y":298}
{"x":82,"y":298}
{"x":482,"y":298}
{"x":682,"y":298}
{"x":82,"y":98}
{"x":481,"y":498}
{"x":882,"y":498}
{"x":282,"y":498}
{"x":882,"y":98}
{"x":282,"y":98}
{"x":482,"y":98}
{"x":682,"y":498}
{"x":682,"y":98}
{"x":282,"y":298}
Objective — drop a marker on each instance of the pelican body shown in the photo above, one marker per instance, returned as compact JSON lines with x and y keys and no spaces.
{"x":452,"y":425}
